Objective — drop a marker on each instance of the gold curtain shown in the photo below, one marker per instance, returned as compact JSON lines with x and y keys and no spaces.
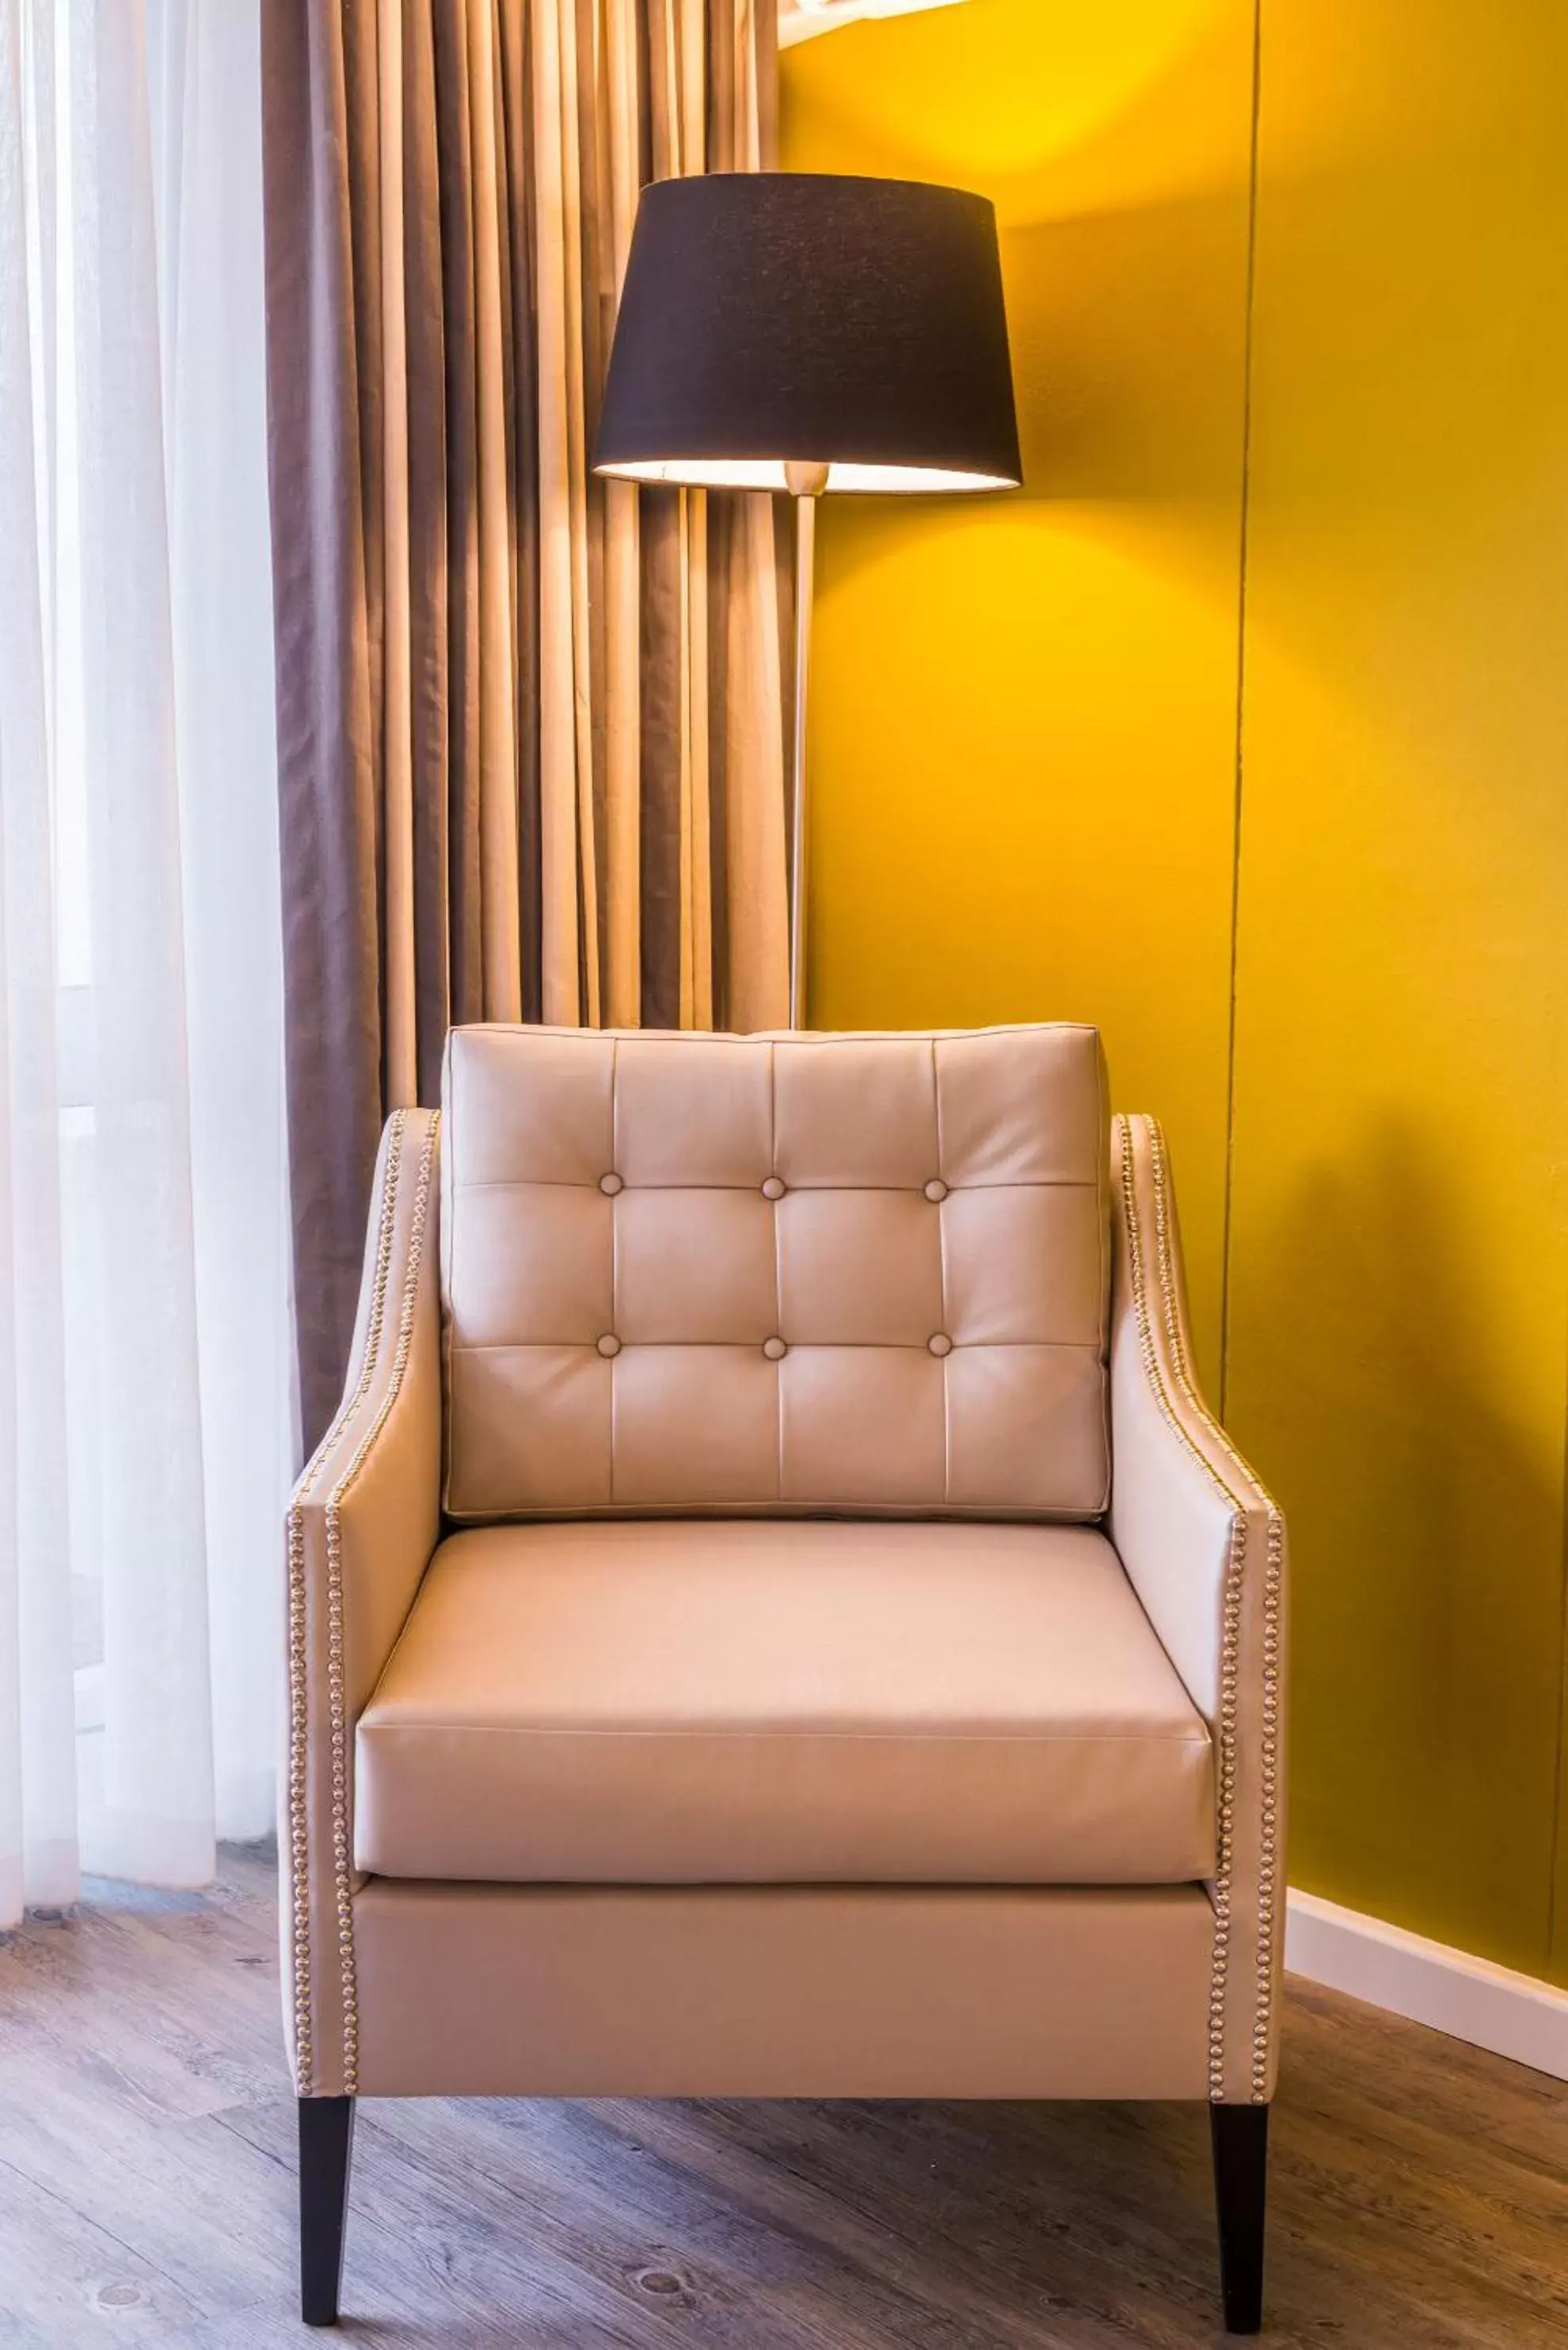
{"x":531,"y":724}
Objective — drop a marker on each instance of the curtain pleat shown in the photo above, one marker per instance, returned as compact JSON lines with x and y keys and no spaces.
{"x":620,"y":180}
{"x":557,"y":732}
{"x":752,"y":889}
{"x":532,"y":749}
{"x":38,"y":1796}
{"x":326,"y":760}
{"x":396,"y":677}
{"x":447,"y":983}
{"x":515,"y":98}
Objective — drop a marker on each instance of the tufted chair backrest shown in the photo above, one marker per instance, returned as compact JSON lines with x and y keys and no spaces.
{"x":701,"y":1273}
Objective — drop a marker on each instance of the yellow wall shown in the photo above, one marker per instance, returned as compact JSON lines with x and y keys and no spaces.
{"x":1013,"y":698}
{"x":1027,"y":801}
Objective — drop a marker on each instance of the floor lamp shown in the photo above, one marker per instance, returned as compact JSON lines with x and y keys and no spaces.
{"x":794,"y":330}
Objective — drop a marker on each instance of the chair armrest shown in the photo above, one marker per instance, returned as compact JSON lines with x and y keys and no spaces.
{"x":362,"y":1524}
{"x":1204,"y":1547}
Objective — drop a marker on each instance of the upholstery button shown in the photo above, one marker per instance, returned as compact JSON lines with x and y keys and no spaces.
{"x":609,"y":1344}
{"x":936,"y":1189}
{"x":774,"y":1349}
{"x":610,"y":1184}
{"x":772,"y":1188}
{"x":941,"y":1343}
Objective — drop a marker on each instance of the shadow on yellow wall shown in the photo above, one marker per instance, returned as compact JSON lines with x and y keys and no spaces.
{"x":1029,"y":801}
{"x":1425,"y":1534}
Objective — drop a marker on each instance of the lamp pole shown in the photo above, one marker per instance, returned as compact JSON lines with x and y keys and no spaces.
{"x":805,"y":483}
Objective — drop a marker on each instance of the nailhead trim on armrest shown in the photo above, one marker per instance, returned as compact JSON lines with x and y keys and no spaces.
{"x":298,"y":1802}
{"x":1235,"y":1580}
{"x":1274,"y":1570}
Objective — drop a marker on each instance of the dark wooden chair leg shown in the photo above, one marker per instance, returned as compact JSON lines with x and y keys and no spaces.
{"x":325,"y":2142}
{"x":1240,"y":2136}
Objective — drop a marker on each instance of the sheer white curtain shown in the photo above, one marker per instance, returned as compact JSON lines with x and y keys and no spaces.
{"x":145,"y":1436}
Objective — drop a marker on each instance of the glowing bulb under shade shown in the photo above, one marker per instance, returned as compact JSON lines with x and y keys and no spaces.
{"x":769,"y":474}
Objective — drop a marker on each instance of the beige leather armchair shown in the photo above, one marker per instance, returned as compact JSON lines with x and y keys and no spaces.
{"x":773,"y":1615}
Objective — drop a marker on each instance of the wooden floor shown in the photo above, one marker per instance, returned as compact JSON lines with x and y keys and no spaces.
{"x":1419,"y":2191}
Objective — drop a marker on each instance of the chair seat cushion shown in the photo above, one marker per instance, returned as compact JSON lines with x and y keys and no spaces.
{"x":771,"y":1702}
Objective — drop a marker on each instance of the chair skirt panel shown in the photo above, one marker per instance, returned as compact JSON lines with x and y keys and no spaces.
{"x":782,"y":1990}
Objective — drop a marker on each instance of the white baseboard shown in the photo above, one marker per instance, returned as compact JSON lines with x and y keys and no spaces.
{"x":1470,"y":1999}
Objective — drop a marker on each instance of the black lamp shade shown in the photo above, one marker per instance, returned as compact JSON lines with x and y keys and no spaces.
{"x":775,"y":317}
